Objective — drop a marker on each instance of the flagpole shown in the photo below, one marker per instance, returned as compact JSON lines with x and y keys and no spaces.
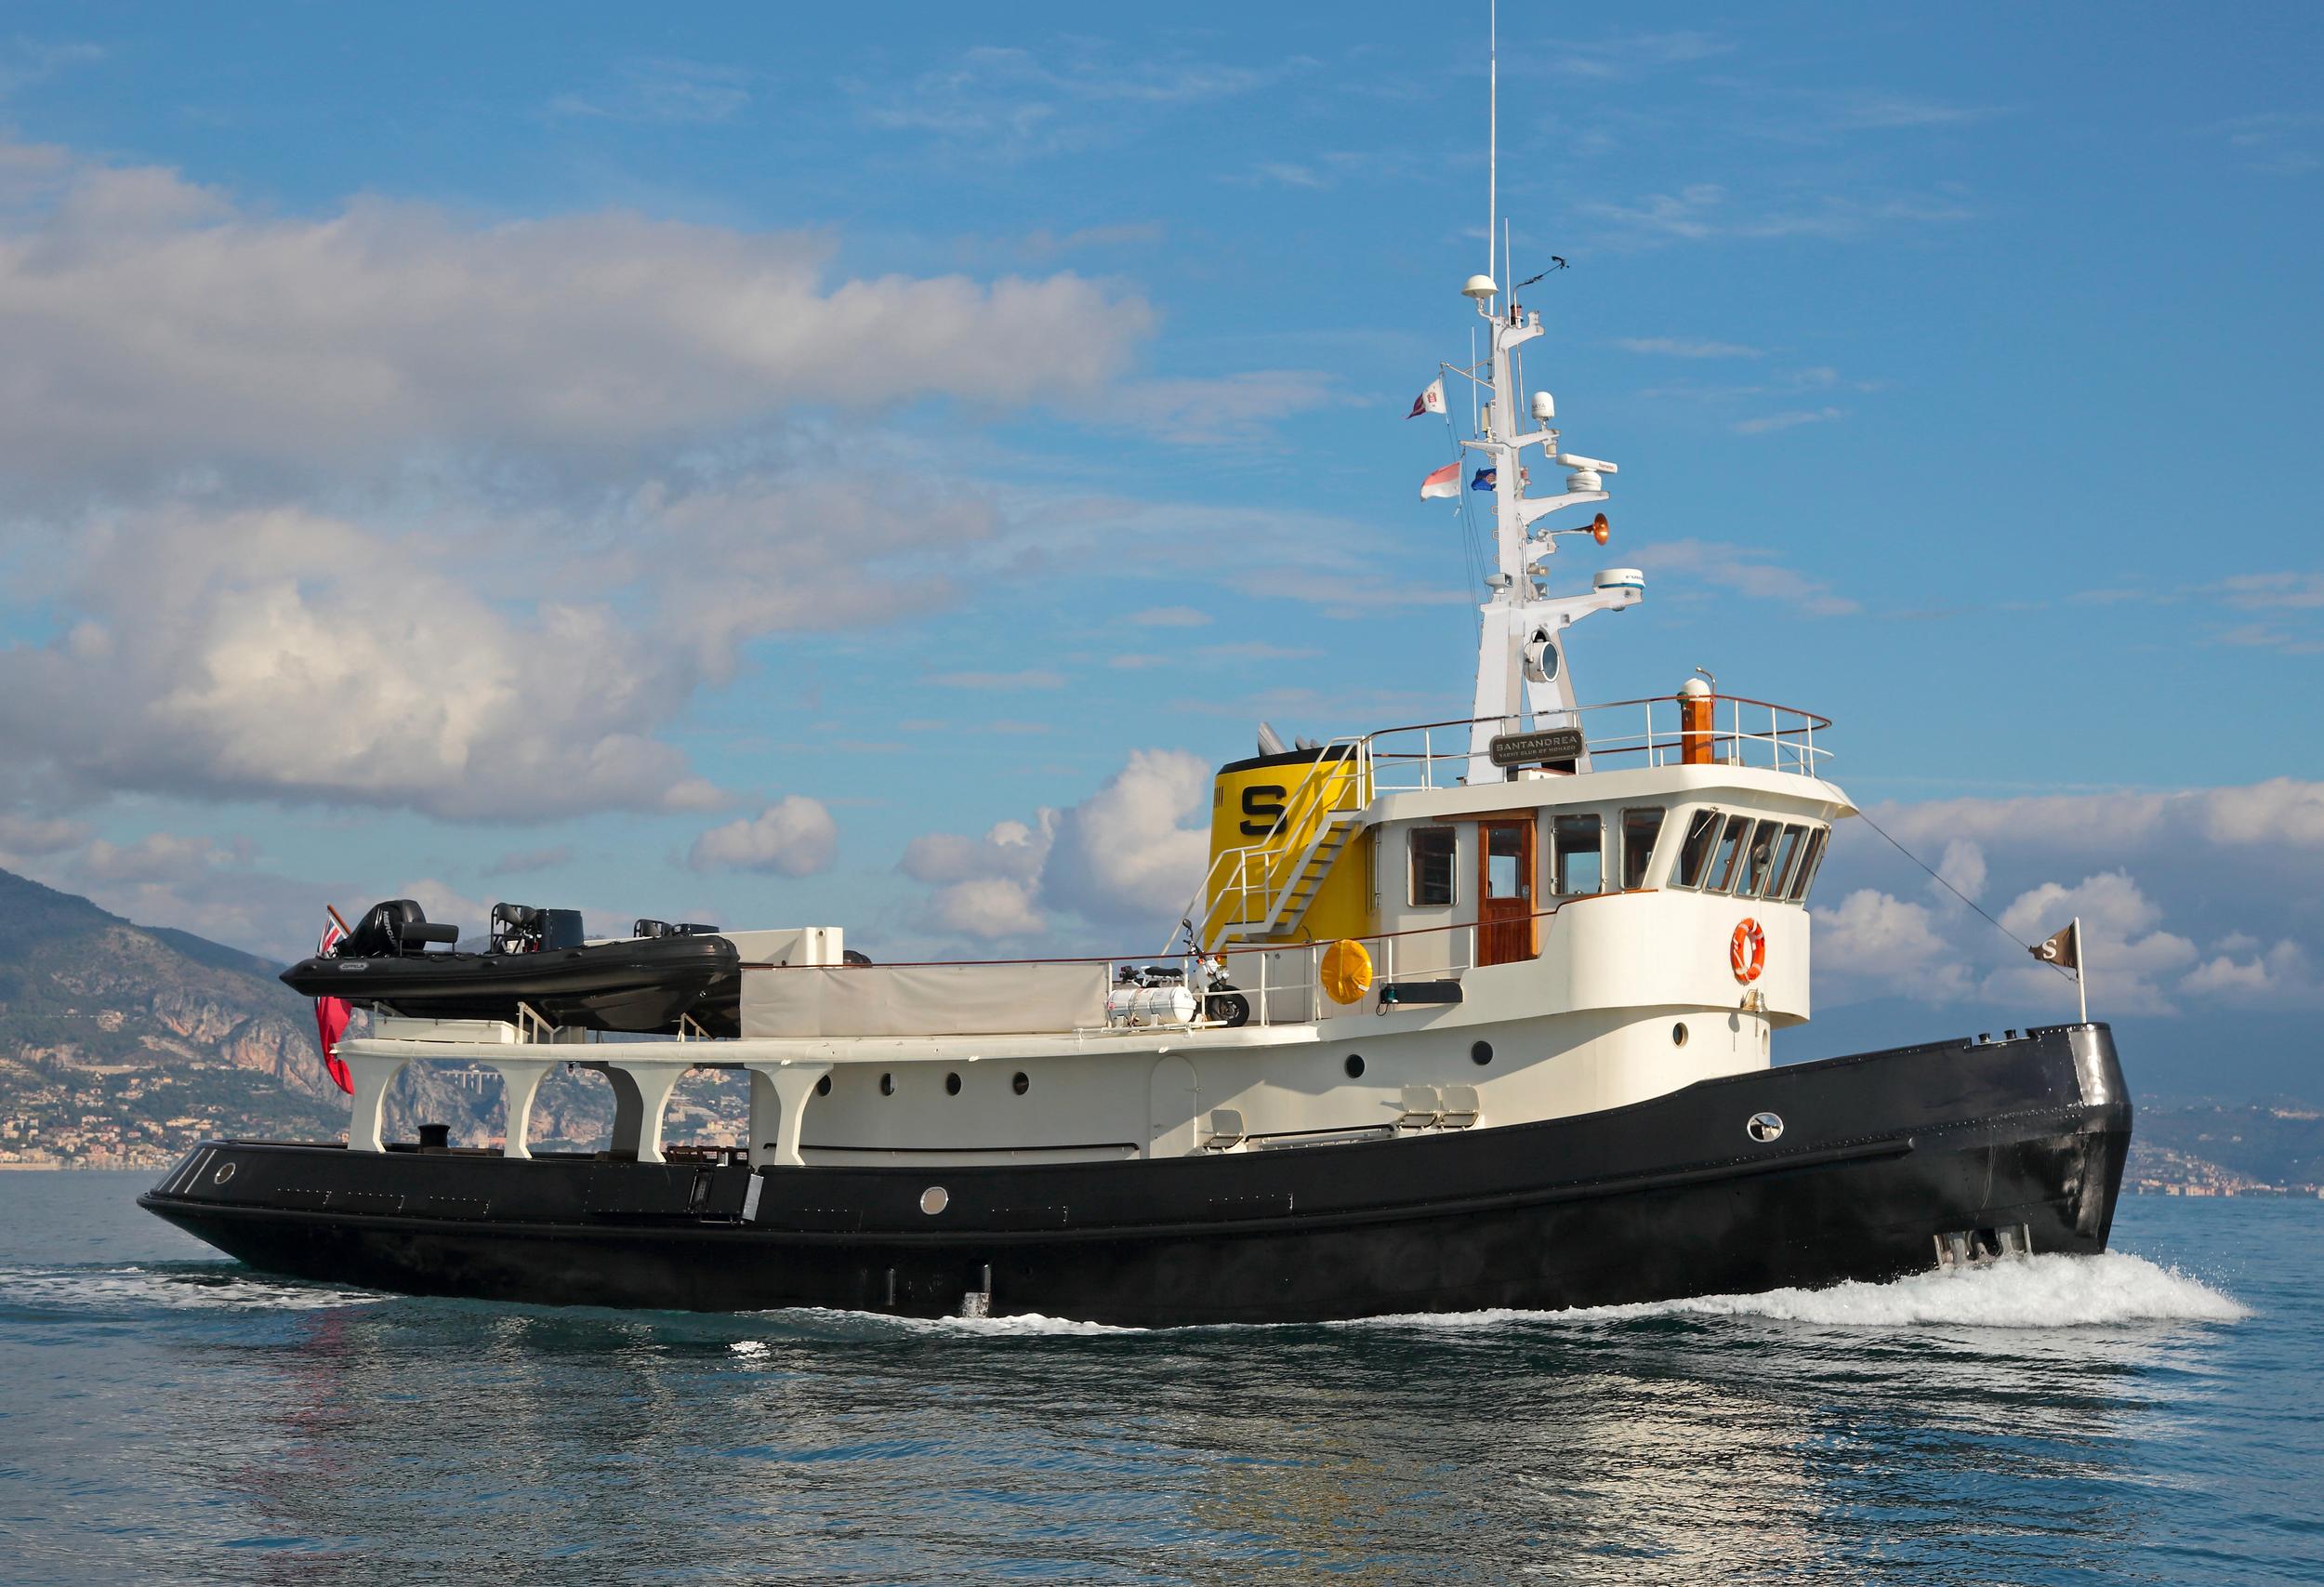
{"x":2081,"y":970}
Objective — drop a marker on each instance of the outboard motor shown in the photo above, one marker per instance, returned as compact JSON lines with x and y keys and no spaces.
{"x":522,"y":928}
{"x":393,"y":929}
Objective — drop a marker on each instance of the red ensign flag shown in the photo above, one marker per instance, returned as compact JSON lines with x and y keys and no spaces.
{"x":332,"y":1014}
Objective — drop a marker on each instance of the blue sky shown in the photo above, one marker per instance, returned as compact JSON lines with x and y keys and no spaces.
{"x":489,"y":453}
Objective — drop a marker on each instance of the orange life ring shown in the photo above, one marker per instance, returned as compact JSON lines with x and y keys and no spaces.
{"x":1747,"y":951}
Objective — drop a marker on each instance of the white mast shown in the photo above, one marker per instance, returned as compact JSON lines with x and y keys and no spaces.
{"x":1521,"y":679}
{"x":1492,"y":127}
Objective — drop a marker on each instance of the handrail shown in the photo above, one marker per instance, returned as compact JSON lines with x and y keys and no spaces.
{"x":1789,"y":745}
{"x":1562,"y":904}
{"x":1349,"y":787}
{"x":1789,"y":739}
{"x":1271,"y":996}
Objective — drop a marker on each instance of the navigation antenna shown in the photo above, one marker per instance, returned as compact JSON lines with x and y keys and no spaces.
{"x":1492,"y":129}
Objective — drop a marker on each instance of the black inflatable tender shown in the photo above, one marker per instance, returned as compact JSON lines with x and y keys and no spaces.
{"x":641,"y":986}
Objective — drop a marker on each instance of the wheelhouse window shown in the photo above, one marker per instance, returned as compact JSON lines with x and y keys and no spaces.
{"x":1759,"y":859}
{"x":1580,"y":855}
{"x":1640,"y":828}
{"x":1809,"y":860}
{"x":1779,"y":877}
{"x":1702,"y":830}
{"x":1728,"y":867}
{"x":1431,"y":850}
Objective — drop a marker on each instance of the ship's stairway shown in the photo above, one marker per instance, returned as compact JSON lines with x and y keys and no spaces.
{"x":1306,"y":880}
{"x":1260,"y":892}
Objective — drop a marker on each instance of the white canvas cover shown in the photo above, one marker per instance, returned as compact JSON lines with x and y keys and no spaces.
{"x":923,"y":999}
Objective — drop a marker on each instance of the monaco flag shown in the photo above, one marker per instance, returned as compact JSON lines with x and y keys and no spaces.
{"x":332,"y":1014}
{"x":1432,"y":400}
{"x":1445,"y":482}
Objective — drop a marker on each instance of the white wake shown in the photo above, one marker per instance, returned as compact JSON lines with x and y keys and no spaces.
{"x":179,"y":1287}
{"x":2112,"y":1289}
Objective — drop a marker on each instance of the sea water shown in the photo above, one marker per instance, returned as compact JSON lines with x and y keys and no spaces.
{"x":2149,"y":1415}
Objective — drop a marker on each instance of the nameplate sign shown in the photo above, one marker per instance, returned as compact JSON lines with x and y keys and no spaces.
{"x":1545,"y":748}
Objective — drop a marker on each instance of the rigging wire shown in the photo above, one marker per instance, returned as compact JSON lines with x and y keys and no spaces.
{"x":1471,"y":549}
{"x":1959,"y":894}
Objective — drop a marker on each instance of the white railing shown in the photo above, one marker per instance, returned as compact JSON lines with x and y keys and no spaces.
{"x":1277,"y":984}
{"x":1743,"y":732}
{"x":1247,"y":889}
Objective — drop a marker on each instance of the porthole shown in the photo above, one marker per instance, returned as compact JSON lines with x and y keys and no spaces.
{"x":1481,"y":1054}
{"x":1355,"y":1065}
{"x":951,"y":1085}
{"x":934,"y":1200}
{"x":887,"y":1085}
{"x":225,"y":1171}
{"x":822,"y":1087}
{"x":1678,"y":1034}
{"x":1019,"y":1084}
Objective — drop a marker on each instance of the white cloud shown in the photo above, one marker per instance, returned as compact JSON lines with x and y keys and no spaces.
{"x":24,"y":836}
{"x":1745,"y":570}
{"x":985,"y":887}
{"x":158,"y":857}
{"x":2158,"y":871}
{"x":1121,"y":855}
{"x":2122,"y":938}
{"x":1790,"y":419}
{"x":1014,"y":849}
{"x":1030,"y":678}
{"x":1964,"y":866}
{"x":2151,"y":874}
{"x":664,"y":90}
{"x":793,"y":837}
{"x":1009,"y":103}
{"x":1620,"y":55}
{"x":2278,"y":814}
{"x":1221,"y":410}
{"x":987,"y":907}
{"x":211,"y":886}
{"x":1170,"y":617}
{"x":23,"y":63}
{"x":2276,"y":142}
{"x":280,"y":654}
{"x":1875,"y":942}
{"x":151,"y":324}
{"x":2283,"y":973}
{"x":1703,"y":211}
{"x":1120,"y":858}
{"x":446,"y":906}
{"x":1685,"y":347}
{"x":523,"y":862}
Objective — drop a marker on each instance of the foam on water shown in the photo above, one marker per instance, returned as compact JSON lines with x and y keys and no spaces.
{"x":2113,"y":1288}
{"x":178,"y":1286}
{"x":2108,"y":1290}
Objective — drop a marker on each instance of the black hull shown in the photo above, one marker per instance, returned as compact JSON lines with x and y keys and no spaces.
{"x":642,"y":986}
{"x":1881,"y":1157}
